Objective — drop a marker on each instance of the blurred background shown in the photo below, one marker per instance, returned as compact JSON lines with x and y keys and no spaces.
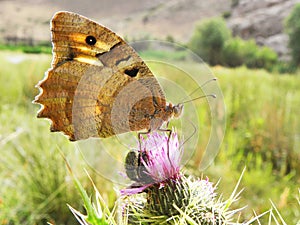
{"x":251,"y":46}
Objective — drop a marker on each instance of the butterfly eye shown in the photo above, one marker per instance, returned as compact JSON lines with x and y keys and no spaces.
{"x":90,"y":40}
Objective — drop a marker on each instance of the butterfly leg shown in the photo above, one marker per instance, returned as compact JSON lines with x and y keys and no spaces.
{"x":169,"y":131}
{"x":140,"y":136}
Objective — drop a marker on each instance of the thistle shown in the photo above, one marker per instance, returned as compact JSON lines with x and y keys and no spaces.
{"x":161,"y":194}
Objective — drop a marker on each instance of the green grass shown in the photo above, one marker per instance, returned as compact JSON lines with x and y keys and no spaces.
{"x":37,"y":49}
{"x":263,"y":129}
{"x":161,"y":55}
{"x":262,"y":133}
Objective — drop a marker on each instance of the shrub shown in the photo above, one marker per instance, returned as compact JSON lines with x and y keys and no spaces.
{"x":266,"y":58}
{"x":233,"y":52}
{"x":213,"y":43}
{"x":284,"y":67}
{"x":292,"y":27}
{"x":226,"y":14}
{"x":237,"y":52}
{"x":170,"y":38}
{"x":250,"y":50}
{"x":209,"y":38}
{"x":258,"y":57}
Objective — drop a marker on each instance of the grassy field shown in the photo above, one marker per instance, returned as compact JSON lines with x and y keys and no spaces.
{"x":262,"y":133}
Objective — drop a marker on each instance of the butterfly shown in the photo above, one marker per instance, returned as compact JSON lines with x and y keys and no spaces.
{"x":97,"y":85}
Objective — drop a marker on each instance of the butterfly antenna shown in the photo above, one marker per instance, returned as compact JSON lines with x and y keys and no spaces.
{"x":203,"y":96}
{"x":202,"y":85}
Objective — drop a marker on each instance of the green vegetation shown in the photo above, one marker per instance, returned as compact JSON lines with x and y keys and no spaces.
{"x":237,"y":52}
{"x":212,"y":41}
{"x":37,"y":49}
{"x":292,"y":27}
{"x":262,"y":134}
{"x":160,"y":55}
{"x":209,"y":39}
{"x":234,"y":52}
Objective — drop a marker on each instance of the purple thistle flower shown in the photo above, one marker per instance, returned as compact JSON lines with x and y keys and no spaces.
{"x":163,"y":156}
{"x":157,"y":162}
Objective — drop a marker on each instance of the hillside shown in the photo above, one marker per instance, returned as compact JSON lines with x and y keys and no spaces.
{"x":29,"y":20}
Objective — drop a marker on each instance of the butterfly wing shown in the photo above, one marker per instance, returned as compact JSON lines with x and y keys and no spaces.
{"x":97,"y":86}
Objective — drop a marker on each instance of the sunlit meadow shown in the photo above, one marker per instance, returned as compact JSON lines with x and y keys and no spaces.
{"x":262,"y":133}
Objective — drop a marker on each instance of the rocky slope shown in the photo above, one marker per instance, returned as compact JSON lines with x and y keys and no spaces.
{"x":264,"y":21}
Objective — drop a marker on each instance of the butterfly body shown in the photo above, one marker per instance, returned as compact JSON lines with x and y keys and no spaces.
{"x":97,"y":85}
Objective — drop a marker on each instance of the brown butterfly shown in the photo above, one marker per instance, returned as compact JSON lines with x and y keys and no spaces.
{"x":97,"y":85}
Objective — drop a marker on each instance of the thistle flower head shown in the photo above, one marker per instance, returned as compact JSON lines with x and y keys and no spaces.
{"x":162,"y":194}
{"x":157,"y":162}
{"x":163,"y":156}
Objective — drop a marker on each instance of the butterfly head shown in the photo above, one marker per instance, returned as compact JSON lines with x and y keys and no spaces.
{"x":176,"y":110}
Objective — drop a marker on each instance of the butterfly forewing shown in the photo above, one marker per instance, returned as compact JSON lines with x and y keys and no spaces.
{"x":69,"y":33}
{"x":98,"y":86}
